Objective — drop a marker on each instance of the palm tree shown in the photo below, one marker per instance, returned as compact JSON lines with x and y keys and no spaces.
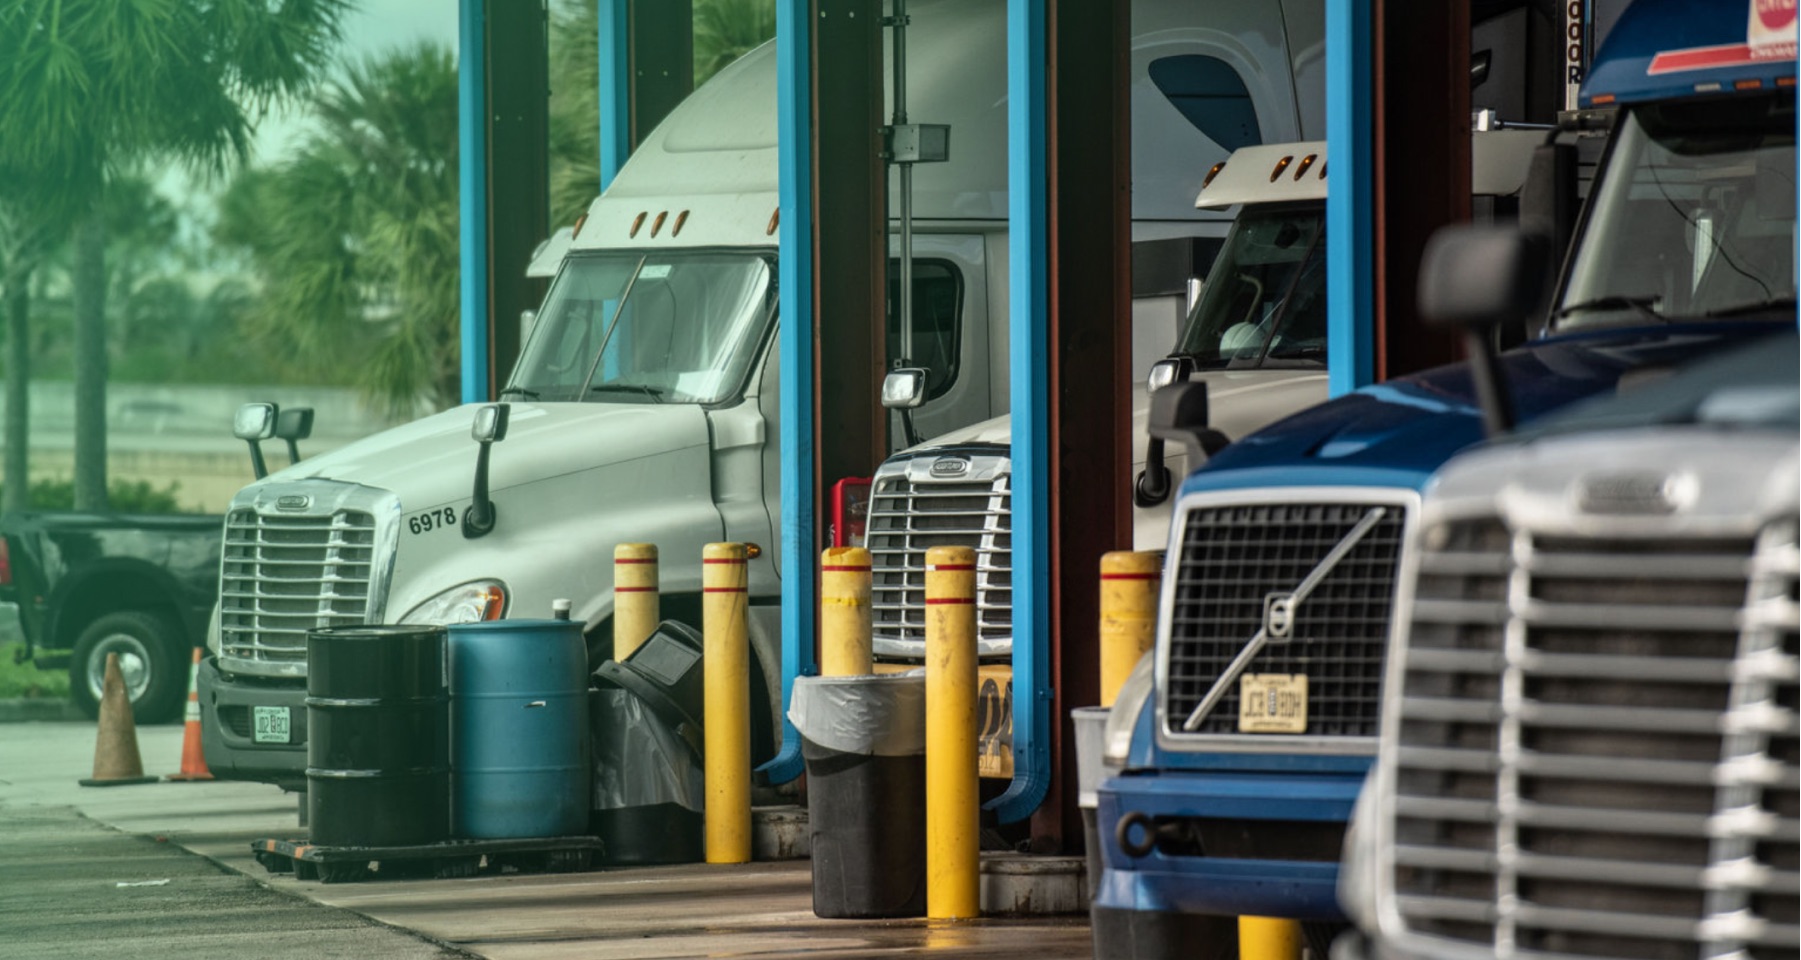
{"x":91,"y":87}
{"x":355,"y":238}
{"x":725,"y":30}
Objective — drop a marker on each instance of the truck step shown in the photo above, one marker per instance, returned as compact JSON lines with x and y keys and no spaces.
{"x":450,"y":859}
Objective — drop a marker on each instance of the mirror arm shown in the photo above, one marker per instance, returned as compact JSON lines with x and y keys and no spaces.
{"x":478,"y":520}
{"x":257,"y":465}
{"x":1490,"y":383}
{"x":1153,"y":483}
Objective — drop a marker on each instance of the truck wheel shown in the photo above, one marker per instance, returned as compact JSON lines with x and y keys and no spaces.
{"x":151,"y":658}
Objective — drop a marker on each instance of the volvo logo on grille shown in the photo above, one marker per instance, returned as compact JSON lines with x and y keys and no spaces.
{"x":294,"y":501}
{"x":1640,"y":493}
{"x":1278,"y":615}
{"x":950,"y":467}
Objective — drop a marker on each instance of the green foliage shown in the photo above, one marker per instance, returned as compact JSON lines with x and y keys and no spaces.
{"x":123,"y":496}
{"x":354,"y":240}
{"x":725,"y":30}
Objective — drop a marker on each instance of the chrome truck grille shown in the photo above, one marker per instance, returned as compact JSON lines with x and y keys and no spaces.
{"x":1595,"y":753}
{"x":949,"y":499}
{"x":293,"y":562}
{"x":1329,"y":566}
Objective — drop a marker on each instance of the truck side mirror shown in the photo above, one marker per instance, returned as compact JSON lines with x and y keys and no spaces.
{"x":1167,"y":371}
{"x":904,"y":388}
{"x":1154,"y":484}
{"x":1179,"y":414}
{"x":294,"y":423}
{"x":1475,"y":278}
{"x":254,"y":423}
{"x":489,"y":427}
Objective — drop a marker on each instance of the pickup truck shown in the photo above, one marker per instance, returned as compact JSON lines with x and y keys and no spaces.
{"x":90,"y":584}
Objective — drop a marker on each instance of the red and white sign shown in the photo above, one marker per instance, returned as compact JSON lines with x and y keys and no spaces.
{"x":1771,"y":34}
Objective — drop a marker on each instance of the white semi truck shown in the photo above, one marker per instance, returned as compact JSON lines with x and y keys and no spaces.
{"x":1256,"y":336}
{"x":643,"y":407}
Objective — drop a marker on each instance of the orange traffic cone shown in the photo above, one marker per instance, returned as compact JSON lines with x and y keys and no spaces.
{"x":116,"y":760}
{"x":193,"y":756}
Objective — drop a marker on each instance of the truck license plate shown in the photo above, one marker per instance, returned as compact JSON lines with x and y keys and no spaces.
{"x":270,"y":725}
{"x":1272,"y":703}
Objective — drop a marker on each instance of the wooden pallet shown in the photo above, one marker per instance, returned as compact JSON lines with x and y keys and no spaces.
{"x":452,"y":858}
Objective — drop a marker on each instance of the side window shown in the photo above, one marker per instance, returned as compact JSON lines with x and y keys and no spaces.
{"x":937,"y":320}
{"x":1211,"y":95}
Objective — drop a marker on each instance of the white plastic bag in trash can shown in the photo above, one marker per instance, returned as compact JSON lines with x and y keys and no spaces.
{"x":881,"y":715}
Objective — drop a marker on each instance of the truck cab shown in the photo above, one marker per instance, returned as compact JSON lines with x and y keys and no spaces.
{"x":643,"y":405}
{"x":1255,"y":336}
{"x":1235,"y":752}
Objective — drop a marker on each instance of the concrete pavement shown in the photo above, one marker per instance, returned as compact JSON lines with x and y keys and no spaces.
{"x":753,"y":910}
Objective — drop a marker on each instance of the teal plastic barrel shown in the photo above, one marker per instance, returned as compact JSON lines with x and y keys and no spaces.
{"x":518,"y":729}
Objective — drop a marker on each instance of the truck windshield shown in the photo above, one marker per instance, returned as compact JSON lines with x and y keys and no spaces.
{"x":1694,"y":217}
{"x":1265,"y":297}
{"x":647,"y":328}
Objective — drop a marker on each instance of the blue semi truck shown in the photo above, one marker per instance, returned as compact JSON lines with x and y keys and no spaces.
{"x":1235,"y":752}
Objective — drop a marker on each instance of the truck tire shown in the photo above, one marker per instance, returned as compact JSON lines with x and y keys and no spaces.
{"x":152,"y":658}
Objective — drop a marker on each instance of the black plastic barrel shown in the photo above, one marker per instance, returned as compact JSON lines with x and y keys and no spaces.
{"x":862,"y":739}
{"x":378,"y":736}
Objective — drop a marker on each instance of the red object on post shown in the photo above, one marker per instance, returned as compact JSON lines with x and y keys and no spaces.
{"x":850,"y":511}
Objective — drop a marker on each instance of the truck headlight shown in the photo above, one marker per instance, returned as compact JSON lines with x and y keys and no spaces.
{"x":469,"y":602}
{"x":1133,"y":695}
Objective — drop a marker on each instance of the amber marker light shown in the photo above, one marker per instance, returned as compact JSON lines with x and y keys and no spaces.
{"x":680,"y":218}
{"x":1214,"y":172}
{"x":1281,"y":165}
{"x":576,"y":231}
{"x":775,"y":220}
{"x":1306,"y":161}
{"x":637,"y":222}
{"x":657,"y":224}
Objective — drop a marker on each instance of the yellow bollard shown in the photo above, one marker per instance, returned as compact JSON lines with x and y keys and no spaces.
{"x":636,"y":609}
{"x":1268,"y":938}
{"x":953,"y":845}
{"x":725,"y":671}
{"x":844,"y":616}
{"x":1129,"y":584}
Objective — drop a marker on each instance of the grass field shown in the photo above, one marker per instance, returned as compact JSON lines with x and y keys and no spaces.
{"x":25,"y":680}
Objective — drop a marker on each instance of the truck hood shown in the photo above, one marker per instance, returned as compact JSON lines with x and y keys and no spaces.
{"x":1398,"y":432}
{"x":431,"y":461}
{"x":1241,"y":401}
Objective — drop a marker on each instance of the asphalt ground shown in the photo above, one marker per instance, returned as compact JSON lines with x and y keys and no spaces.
{"x":71,"y":887}
{"x":64,"y":848}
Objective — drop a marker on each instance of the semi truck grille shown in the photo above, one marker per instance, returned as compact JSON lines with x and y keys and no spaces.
{"x":1237,"y":563}
{"x":908,"y":515}
{"x":281,"y":576}
{"x":1597,"y":745}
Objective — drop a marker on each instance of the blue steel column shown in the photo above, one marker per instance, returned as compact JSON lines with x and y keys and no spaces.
{"x":1350,"y":206}
{"x":1030,"y":398}
{"x":472,"y":179}
{"x":794,"y":135}
{"x":615,"y":89}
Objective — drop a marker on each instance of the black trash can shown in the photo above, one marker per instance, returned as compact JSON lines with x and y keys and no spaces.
{"x":863,"y":740}
{"x":649,"y":782}
{"x":378,"y":736}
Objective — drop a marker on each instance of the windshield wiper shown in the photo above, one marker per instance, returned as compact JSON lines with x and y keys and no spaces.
{"x":1757,"y":307}
{"x":1645,"y":304}
{"x":655,"y":393}
{"x":527,"y":394}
